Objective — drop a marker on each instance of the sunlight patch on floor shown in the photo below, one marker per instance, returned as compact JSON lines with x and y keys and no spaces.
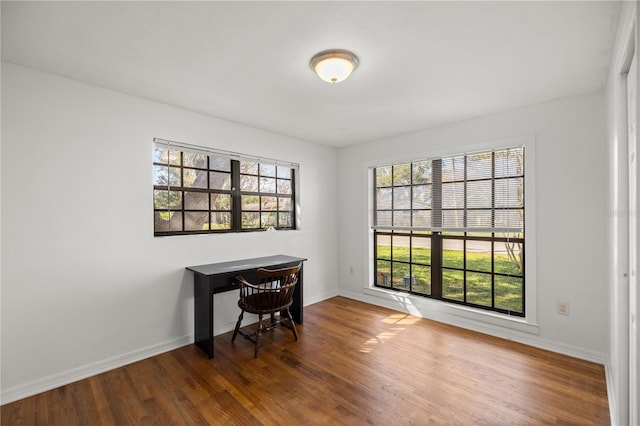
{"x":393,"y":319}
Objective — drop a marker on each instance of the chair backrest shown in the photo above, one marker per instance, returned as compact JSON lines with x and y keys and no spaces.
{"x":274,"y":291}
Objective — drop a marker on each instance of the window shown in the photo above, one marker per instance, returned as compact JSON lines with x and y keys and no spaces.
{"x":197,"y":190}
{"x":452,"y":229}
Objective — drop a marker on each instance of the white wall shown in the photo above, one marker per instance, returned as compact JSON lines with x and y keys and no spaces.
{"x":571,"y":195}
{"x":85,"y":285}
{"x":618,"y":218}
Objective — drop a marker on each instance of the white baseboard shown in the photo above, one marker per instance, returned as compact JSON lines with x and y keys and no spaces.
{"x":60,"y":379}
{"x":321,"y":297}
{"x":487,"y":324}
{"x":611,"y":393}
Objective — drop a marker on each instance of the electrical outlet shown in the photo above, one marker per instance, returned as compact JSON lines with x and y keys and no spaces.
{"x":563,"y":307}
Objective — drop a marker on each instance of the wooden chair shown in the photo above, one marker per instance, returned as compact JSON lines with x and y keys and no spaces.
{"x":274,"y":293}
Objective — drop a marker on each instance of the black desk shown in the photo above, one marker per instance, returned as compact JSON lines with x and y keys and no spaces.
{"x":219,"y":277}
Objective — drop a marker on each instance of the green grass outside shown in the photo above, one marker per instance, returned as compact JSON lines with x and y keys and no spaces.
{"x":508,"y":290}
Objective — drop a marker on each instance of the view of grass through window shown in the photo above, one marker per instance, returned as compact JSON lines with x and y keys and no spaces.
{"x":453,"y":229}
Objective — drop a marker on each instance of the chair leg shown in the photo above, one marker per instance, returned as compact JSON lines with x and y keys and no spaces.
{"x":293,"y":325}
{"x":258,"y":333}
{"x":235,"y":332}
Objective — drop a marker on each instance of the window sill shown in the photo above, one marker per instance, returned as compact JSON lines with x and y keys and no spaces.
{"x":457,"y":315}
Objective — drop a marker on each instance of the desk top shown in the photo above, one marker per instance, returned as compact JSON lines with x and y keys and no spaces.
{"x":244,"y":264}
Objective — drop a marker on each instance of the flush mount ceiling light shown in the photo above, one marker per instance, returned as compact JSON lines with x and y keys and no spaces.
{"x":334,"y":66}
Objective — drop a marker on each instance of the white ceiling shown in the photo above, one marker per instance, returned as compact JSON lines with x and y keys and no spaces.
{"x":421,"y":63}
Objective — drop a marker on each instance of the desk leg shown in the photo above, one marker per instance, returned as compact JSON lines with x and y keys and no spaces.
{"x":203,"y":315}
{"x":296,"y":306}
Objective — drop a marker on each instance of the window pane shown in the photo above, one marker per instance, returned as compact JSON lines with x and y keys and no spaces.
{"x":509,"y":218}
{"x":453,"y":168}
{"x":383,"y":199}
{"x":250,"y":202}
{"x":402,"y":197}
{"x":421,"y":197}
{"x":268,"y":185}
{"x":400,"y":271}
{"x":219,"y":180}
{"x":402,"y":218}
{"x":479,"y":165}
{"x":167,"y":199}
{"x":383,"y":176}
{"x":161,"y":175}
{"x":479,"y":194}
{"x":249,"y":167}
{"x":421,"y":250}
{"x":453,"y":195}
{"x":195,"y":178}
{"x":508,"y":257}
{"x":220,"y":220}
{"x":250,"y":220}
{"x":284,"y":186}
{"x":383,"y":247}
{"x":422,"y":218}
{"x":452,"y":284}
{"x":452,"y":253}
{"x":383,"y":218}
{"x":220,"y":202}
{"x":402,"y":174}
{"x":167,"y":221}
{"x":269,"y":203}
{"x":218,"y":163}
{"x":479,"y":218}
{"x":422,"y":172}
{"x":509,"y":192}
{"x":196,"y":201}
{"x":453,"y":219}
{"x":421,"y":279}
{"x":192,"y":159}
{"x":509,"y":293}
{"x":284,"y":220}
{"x":267,"y":170}
{"x":269,"y":220}
{"x":174,"y":158}
{"x":400,"y":250}
{"x":160,"y":155}
{"x":284,"y":172}
{"x":383,"y":275}
{"x":479,"y":255}
{"x":174,"y":176}
{"x":509,"y":162}
{"x":479,"y":288}
{"x":284,"y":204}
{"x":248,"y":183}
{"x":196,"y":221}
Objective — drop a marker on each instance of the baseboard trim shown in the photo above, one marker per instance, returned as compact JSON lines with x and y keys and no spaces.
{"x":60,"y":379}
{"x":611,"y":394}
{"x":525,"y":334}
{"x":64,"y":378}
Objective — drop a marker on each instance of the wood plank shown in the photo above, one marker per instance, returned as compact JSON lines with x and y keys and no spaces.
{"x":354,"y":364}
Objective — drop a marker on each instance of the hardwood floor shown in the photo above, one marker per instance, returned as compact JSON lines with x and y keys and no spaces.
{"x":354,"y":364}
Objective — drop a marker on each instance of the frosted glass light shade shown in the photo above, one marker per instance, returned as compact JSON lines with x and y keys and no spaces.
{"x":334,"y":66}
